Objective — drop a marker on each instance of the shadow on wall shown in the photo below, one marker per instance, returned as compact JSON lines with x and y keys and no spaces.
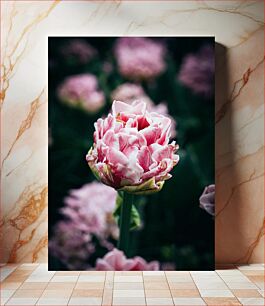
{"x":227,"y":171}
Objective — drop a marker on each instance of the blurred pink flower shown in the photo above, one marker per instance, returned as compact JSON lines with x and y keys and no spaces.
{"x":81,"y":91}
{"x":88,"y":214}
{"x":129,"y":92}
{"x":197,"y":71}
{"x":131,"y":150}
{"x":72,"y":246}
{"x":207,"y":199}
{"x":79,"y":50}
{"x":115,"y":260}
{"x":140,"y":58}
{"x":89,"y":206}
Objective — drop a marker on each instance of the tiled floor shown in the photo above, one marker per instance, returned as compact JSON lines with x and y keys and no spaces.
{"x":33,"y":284}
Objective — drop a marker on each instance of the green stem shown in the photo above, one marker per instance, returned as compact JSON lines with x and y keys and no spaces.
{"x":125,"y":221}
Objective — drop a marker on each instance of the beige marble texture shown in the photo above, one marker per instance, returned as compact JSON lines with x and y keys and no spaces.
{"x":237,"y":25}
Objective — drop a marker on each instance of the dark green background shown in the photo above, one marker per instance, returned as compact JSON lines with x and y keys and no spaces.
{"x":175,"y":228}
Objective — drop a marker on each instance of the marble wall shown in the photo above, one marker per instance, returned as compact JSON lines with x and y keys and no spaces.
{"x":238,"y":27}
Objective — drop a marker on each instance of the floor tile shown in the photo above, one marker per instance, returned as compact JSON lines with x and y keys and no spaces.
{"x":232,"y":272}
{"x":129,"y":286}
{"x":38,"y":279}
{"x":95,"y":272}
{"x":91,"y":278}
{"x":156,"y":285}
{"x":153,"y":273}
{"x":53,"y":301}
{"x":16,"y":278}
{"x":87,"y":286}
{"x":261,"y":292}
{"x":60,"y":286}
{"x":135,"y":301}
{"x":129,"y":273}
{"x":159,"y":301}
{"x":255,"y":278}
{"x":253,"y":272}
{"x":155,"y":278}
{"x":87,"y":293}
{"x":34,"y":284}
{"x":179,"y":279}
{"x":22,"y":301}
{"x":107,"y":297}
{"x":56,"y":294}
{"x":211,"y":286}
{"x":9,"y":285}
{"x":176,"y":273}
{"x":260,"y":285}
{"x":109,"y":284}
{"x":28,"y":293}
{"x":182,"y":286}
{"x":149,"y":293}
{"x":188,"y":301}
{"x":6,"y":293}
{"x":128,"y":279}
{"x":235,"y":278}
{"x":185,"y":293}
{"x":216,"y":293}
{"x":128,"y":293}
{"x":29,"y":266}
{"x":85,"y":301}
{"x":246,"y":293}
{"x":67,"y":273}
{"x":64,"y":279}
{"x":203,"y":273}
{"x":241,"y":285}
{"x":4,"y":275}
{"x":251,"y":267}
{"x":252,"y":301}
{"x":3,"y":300}
{"x":40,"y":286}
{"x":215,"y":301}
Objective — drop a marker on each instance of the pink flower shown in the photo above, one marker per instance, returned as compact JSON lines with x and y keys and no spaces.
{"x":79,"y":50}
{"x":131,"y":150}
{"x":197,"y":71}
{"x":72,"y":246}
{"x":207,"y":199}
{"x":89,"y":206}
{"x":129,"y":92}
{"x":140,"y":58}
{"x":81,"y":91}
{"x":116,"y":261}
{"x":88,"y":214}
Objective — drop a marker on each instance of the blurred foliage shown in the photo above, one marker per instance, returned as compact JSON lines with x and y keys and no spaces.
{"x":174,"y":228}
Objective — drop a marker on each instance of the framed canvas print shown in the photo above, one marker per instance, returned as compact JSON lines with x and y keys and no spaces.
{"x":131,"y":153}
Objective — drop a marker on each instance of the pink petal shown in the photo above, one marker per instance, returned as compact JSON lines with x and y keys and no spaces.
{"x":118,"y":107}
{"x":151,"y":134}
{"x":144,"y":158}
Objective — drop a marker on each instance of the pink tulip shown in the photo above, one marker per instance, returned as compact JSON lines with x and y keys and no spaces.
{"x":197,"y":71}
{"x":81,"y":91}
{"x":79,"y":50}
{"x":207,"y":199}
{"x":87,"y":215}
{"x":129,"y":92}
{"x":131,"y":150}
{"x":140,"y":58}
{"x":115,"y":260}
